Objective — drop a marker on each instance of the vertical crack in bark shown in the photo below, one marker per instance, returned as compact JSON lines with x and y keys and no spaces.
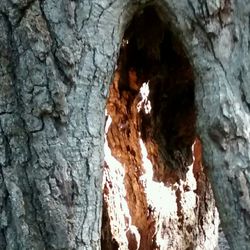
{"x":23,"y":10}
{"x":67,"y":80}
{"x":7,"y":148}
{"x":151,"y":146}
{"x":5,"y":193}
{"x":203,"y":29}
{"x":244,"y":98}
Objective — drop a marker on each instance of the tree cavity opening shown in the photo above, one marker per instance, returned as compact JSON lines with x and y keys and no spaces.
{"x":152,"y":54}
{"x":152,"y":156}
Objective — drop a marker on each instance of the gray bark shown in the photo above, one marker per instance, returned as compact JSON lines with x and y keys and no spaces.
{"x":52,"y":99}
{"x":57,"y":59}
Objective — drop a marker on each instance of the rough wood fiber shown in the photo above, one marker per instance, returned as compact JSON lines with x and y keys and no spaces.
{"x":166,"y":209}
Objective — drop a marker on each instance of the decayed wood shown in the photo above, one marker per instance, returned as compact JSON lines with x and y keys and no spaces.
{"x":149,"y":205}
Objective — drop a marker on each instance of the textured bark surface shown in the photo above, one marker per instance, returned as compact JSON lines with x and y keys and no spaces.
{"x":57,"y":59}
{"x":54,"y":78}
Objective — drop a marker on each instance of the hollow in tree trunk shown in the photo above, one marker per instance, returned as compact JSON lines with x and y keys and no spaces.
{"x":156,"y":193}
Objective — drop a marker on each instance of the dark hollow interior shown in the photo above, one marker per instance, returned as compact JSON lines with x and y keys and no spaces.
{"x":154,"y":52}
{"x":150,"y":52}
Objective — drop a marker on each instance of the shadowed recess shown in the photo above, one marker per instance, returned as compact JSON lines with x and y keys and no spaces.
{"x":149,"y":138}
{"x":151,"y":52}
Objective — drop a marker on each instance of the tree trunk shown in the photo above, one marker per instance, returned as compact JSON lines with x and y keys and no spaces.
{"x":54,"y":77}
{"x":57,"y":59}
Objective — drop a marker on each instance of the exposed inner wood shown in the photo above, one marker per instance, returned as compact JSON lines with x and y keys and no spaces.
{"x":154,"y":184}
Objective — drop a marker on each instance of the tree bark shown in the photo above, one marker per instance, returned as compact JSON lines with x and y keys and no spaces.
{"x":53,"y":87}
{"x":57,"y":59}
